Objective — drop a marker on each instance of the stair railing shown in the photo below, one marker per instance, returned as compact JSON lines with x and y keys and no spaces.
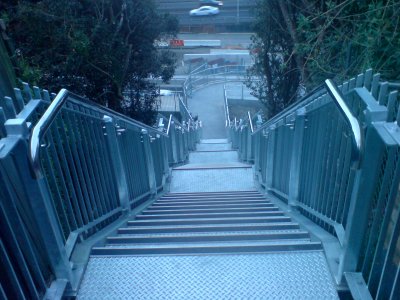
{"x":200,"y":79}
{"x":73,"y":167}
{"x":335,"y":156}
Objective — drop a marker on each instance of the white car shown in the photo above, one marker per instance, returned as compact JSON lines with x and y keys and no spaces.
{"x":204,"y":11}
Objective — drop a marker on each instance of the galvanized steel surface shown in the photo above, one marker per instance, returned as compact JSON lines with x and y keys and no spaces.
{"x":257,"y":276}
{"x":312,"y":145}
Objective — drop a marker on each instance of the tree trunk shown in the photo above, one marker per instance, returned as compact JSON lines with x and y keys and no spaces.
{"x":291,"y":27}
{"x":7,"y":75}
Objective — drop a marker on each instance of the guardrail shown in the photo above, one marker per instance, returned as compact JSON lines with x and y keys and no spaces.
{"x":199,"y":79}
{"x":334,"y":156}
{"x":85,"y":167}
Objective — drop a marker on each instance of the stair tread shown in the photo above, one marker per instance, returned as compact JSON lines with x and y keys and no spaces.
{"x":213,"y":244}
{"x":244,"y":225}
{"x":210,"y":215}
{"x":205,"y":210}
{"x":218,"y":233}
{"x":293,"y":275}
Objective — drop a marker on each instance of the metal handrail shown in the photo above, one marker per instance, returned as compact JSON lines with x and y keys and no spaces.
{"x":51,"y":113}
{"x":169,"y":123}
{"x":291,"y":107}
{"x":251,"y":122}
{"x":358,"y":140}
{"x":186,"y":109}
{"x":336,"y":95}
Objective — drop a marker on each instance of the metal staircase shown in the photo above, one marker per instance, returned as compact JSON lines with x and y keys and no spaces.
{"x":220,"y":244}
{"x":96,"y":205}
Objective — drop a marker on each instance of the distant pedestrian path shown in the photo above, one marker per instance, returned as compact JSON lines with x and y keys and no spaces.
{"x":208,"y":103}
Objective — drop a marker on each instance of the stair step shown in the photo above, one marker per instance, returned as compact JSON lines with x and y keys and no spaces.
{"x":189,"y":202}
{"x":155,"y":211}
{"x":215,"y":248}
{"x":208,"y":228}
{"x":213,"y":147}
{"x":214,"y":141}
{"x":216,"y":205}
{"x":213,"y":193}
{"x":208,"y":215}
{"x":209,"y":221}
{"x":211,"y":198}
{"x":299,"y":235}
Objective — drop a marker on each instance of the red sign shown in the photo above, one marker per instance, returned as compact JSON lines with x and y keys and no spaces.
{"x":176,"y":43}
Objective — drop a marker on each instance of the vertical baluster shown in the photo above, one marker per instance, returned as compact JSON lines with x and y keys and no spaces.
{"x":368,"y":79}
{"x":9,"y":108}
{"x":360,"y":80}
{"x":19,"y":98}
{"x":345,"y":87}
{"x":36,"y":93}
{"x":375,"y":85}
{"x":27,"y":92}
{"x":391,"y":106}
{"x":383,"y":92}
{"x":46,"y":95}
{"x":352,"y":83}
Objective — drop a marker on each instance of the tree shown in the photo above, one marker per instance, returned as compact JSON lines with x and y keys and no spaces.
{"x":276,"y":64}
{"x":7,"y":75}
{"x":315,"y":40}
{"x":96,"y":48}
{"x":340,"y":39}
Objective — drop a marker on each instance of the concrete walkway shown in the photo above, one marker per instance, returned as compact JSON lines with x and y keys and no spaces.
{"x":208,"y":104}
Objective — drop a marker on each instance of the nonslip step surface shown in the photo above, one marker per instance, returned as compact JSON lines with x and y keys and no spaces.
{"x":220,"y":244}
{"x":244,"y":276}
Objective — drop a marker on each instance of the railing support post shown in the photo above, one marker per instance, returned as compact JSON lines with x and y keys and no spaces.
{"x":294,"y":179}
{"x":172,"y":133}
{"x":270,"y":157}
{"x":149,"y":161}
{"x":365,"y":181}
{"x":14,"y":159}
{"x":164,"y":149}
{"x":116,"y":162}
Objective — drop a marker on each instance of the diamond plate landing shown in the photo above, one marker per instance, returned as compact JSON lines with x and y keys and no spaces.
{"x":217,"y":180}
{"x":213,"y":147}
{"x":257,"y":276}
{"x":213,"y":158}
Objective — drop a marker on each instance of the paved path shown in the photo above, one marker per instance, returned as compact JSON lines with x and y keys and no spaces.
{"x":208,"y":104}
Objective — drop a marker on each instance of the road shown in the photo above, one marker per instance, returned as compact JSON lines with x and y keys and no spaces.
{"x":230,"y":13}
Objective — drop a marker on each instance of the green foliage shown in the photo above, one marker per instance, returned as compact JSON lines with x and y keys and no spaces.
{"x":322,"y":39}
{"x":95,"y":48}
{"x":274,"y":61}
{"x":343,"y":38}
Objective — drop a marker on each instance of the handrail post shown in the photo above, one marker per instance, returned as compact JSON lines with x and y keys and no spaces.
{"x":270,"y":157}
{"x":12,"y":153}
{"x":149,"y":161}
{"x":172,"y":135}
{"x":294,"y":179}
{"x":164,"y":149}
{"x":116,"y":162}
